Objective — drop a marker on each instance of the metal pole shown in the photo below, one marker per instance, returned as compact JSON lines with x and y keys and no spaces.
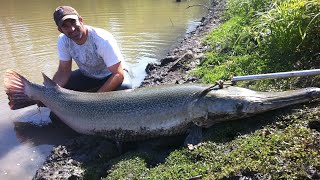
{"x":276,"y":75}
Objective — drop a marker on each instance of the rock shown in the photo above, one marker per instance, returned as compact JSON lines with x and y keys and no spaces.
{"x":167,"y":60}
{"x":150,"y":67}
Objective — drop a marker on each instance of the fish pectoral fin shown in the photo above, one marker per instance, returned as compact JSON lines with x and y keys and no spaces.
{"x":194,"y":137}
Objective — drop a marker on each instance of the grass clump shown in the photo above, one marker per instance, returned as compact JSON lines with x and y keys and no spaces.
{"x":134,"y":165}
{"x":263,"y":36}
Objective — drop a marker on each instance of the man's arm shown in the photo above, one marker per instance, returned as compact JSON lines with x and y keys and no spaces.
{"x":62,"y":76}
{"x":115,"y":80}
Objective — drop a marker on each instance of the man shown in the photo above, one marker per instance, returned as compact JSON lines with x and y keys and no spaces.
{"x":101,"y":64}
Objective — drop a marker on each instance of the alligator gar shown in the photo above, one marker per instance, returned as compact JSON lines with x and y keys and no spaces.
{"x":143,"y":113}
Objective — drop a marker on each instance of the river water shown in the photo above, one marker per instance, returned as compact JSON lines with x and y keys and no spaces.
{"x":144,"y":29}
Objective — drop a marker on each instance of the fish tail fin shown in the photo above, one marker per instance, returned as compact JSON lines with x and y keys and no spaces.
{"x":16,"y":87}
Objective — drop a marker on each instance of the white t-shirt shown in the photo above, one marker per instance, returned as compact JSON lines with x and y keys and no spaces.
{"x":94,"y":56}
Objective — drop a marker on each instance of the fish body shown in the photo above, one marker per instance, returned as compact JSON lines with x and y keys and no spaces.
{"x":127,"y":115}
{"x":143,"y":113}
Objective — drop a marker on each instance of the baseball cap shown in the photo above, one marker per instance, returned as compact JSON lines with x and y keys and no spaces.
{"x":64,"y":12}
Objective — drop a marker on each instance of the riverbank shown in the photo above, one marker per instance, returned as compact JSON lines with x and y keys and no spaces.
{"x":175,"y":68}
{"x":88,"y":157}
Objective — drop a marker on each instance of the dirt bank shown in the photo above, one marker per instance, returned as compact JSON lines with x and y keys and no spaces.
{"x":69,"y":161}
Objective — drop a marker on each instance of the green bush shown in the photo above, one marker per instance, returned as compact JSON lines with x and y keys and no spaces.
{"x":291,"y":34}
{"x":263,"y":37}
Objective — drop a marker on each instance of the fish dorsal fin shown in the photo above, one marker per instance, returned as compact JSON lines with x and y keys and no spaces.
{"x":48,"y":82}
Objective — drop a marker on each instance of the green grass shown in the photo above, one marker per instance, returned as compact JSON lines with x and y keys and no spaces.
{"x":263,"y":36}
{"x":277,"y":146}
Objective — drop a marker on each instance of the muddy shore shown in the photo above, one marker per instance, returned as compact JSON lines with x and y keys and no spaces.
{"x":95,"y":154}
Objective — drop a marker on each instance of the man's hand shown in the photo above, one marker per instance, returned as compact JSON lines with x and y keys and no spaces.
{"x":115,"y":80}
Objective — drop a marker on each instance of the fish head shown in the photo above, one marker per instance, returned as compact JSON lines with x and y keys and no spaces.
{"x":228,"y":104}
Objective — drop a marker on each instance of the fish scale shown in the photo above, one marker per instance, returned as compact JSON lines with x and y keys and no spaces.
{"x":135,"y":112}
{"x":143,"y":113}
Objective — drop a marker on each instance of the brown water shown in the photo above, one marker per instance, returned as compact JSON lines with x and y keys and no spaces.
{"x":144,"y":29}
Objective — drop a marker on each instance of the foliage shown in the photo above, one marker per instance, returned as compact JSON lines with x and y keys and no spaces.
{"x":134,"y":166}
{"x":262,"y":36}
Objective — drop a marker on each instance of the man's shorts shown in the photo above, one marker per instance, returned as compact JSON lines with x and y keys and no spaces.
{"x":79,"y":82}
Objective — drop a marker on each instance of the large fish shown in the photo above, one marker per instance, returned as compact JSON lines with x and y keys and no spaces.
{"x":143,"y":113}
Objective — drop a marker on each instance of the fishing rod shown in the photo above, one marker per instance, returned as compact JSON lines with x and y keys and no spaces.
{"x":311,"y":72}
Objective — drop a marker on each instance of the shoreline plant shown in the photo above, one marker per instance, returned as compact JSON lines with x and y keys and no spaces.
{"x":263,"y":36}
